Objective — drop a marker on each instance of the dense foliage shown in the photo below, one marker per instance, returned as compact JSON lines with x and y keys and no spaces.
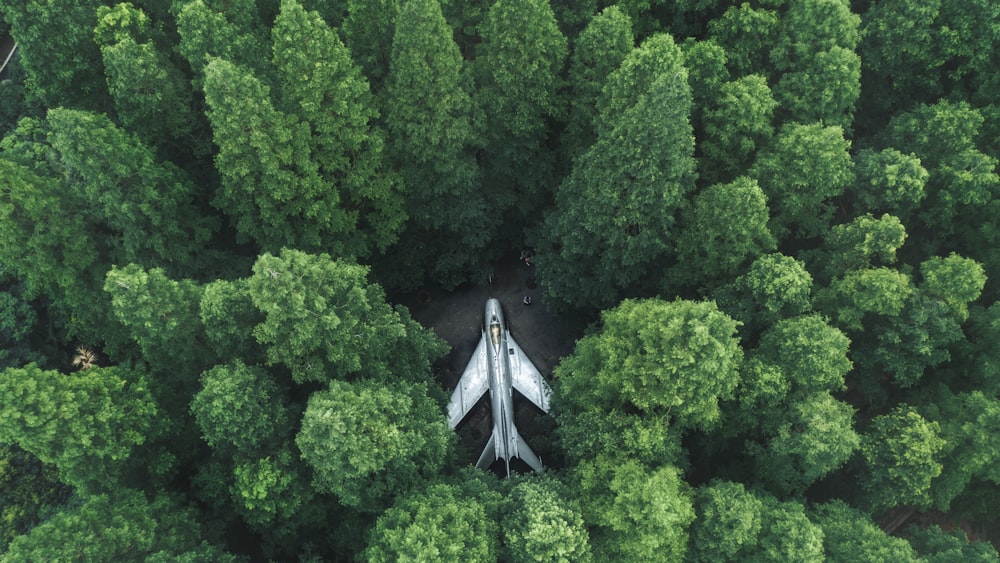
{"x":780,"y":218}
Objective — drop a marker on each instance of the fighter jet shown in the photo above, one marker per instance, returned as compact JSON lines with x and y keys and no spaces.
{"x":499,"y":364}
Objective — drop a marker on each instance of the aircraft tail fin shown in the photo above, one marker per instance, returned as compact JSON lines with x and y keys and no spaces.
{"x":489,"y":454}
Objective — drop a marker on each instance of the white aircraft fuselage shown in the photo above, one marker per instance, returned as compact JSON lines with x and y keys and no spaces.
{"x":499,"y":365}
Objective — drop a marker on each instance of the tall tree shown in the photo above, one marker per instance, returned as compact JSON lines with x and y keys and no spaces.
{"x":240,"y":408}
{"x":901,"y":452}
{"x":116,"y":526}
{"x":850,"y":535}
{"x":613,"y":228}
{"x":273,"y":494}
{"x":705,"y":62}
{"x":786,"y":534}
{"x":52,"y":248}
{"x":597,"y":52}
{"x":152,"y":96}
{"x":905,"y":341}
{"x":544,"y":524}
{"x":368,"y":442}
{"x":636,"y":513}
{"x":900,"y":59}
{"x":728,"y":523}
{"x":429,"y":120}
{"x":724,"y":229}
{"x":229,"y":316}
{"x":86,"y":424}
{"x":962,"y":179}
{"x":654,"y":364}
{"x":889,"y":181}
{"x":862,"y":243}
{"x":737,"y":123}
{"x":161,"y":315}
{"x":148,"y":204}
{"x":60,"y":60}
{"x":440,"y":522}
{"x":518,"y":68}
{"x":747,"y":34}
{"x":29,"y":491}
{"x":970,"y":425}
{"x":368,"y":31}
{"x":938,"y":546}
{"x":323,"y":87}
{"x":774,"y":287}
{"x":322,"y":320}
{"x":820,"y":72}
{"x":816,"y":437}
{"x":207,"y":33}
{"x":800,"y":172}
{"x":271,"y":187}
{"x":810,"y":353}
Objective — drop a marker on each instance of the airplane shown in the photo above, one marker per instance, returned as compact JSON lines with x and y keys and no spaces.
{"x":499,"y":364}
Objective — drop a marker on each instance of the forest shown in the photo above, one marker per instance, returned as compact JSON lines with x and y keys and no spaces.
{"x":775,"y":225}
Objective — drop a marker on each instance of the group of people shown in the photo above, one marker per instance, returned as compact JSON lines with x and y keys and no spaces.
{"x":526,"y":258}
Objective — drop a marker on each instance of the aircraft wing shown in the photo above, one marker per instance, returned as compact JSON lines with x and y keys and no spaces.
{"x":474,"y":383}
{"x":526,"y":378}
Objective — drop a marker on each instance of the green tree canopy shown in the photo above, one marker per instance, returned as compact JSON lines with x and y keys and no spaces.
{"x":430,"y":124}
{"x":657,"y":358}
{"x":800,"y":172}
{"x":51,"y":248}
{"x":368,"y":31}
{"x":747,"y":34}
{"x":938,"y":546}
{"x":323,"y":320}
{"x":786,"y":534}
{"x":271,"y":188}
{"x":29,"y":491}
{"x":597,"y":52}
{"x":325,"y":88}
{"x":901,"y":451}
{"x":816,"y":436}
{"x":738,"y":122}
{"x":811,"y":353}
{"x":615,"y":215}
{"x":721,"y":233}
{"x":544,"y":525}
{"x":240,"y":408}
{"x":889,"y":181}
{"x":728,"y":522}
{"x":85,"y":423}
{"x":864,"y":242}
{"x":850,"y":535}
{"x":58,"y":54}
{"x":961,"y":177}
{"x":438,"y":523}
{"x":635,"y":513}
{"x":117,"y":526}
{"x":774,"y":287}
{"x":151,"y":94}
{"x":369,"y":441}
{"x":518,"y":67}
{"x":161,"y":316}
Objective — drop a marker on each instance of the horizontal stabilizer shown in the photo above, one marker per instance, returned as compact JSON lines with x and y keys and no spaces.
{"x":489,"y":454}
{"x":525,"y":453}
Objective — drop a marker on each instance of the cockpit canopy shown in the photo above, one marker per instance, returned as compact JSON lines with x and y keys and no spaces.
{"x":495,"y":332}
